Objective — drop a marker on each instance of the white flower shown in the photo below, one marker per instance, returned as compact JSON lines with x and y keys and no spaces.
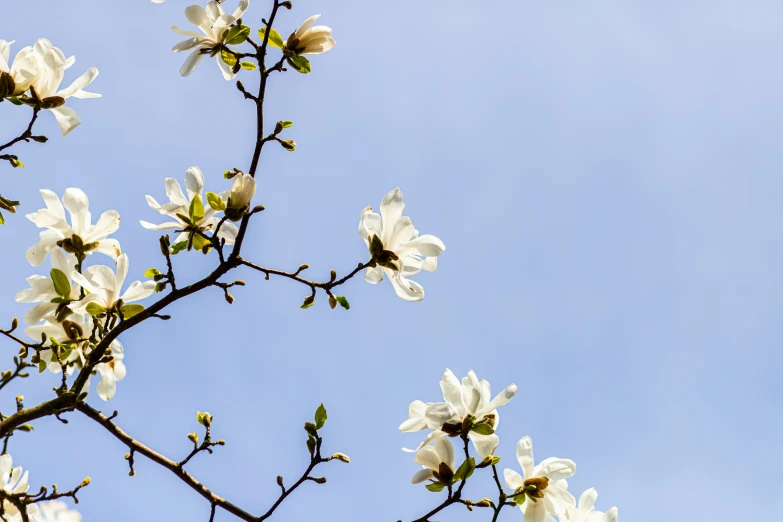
{"x":42,"y":290}
{"x":431,"y":458}
{"x":80,"y":237}
{"x":111,"y":372}
{"x":471,"y":399}
{"x":56,"y":511}
{"x":63,"y":332}
{"x":242,"y":191}
{"x":105,"y":289}
{"x":546,"y":490}
{"x":51,"y":66}
{"x":397,"y":248}
{"x":14,"y":482}
{"x":214,"y":24}
{"x":310,"y":40}
{"x":179,"y":207}
{"x":586,"y":511}
{"x":24,"y":69}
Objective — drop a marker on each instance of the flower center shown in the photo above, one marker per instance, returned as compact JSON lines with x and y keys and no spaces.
{"x":534,"y":487}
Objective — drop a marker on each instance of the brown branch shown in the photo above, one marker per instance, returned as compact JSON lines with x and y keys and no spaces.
{"x":174,"y":467}
{"x":26,"y":136}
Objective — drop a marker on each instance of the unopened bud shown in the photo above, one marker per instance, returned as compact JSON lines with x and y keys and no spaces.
{"x":132,"y":473}
{"x":229,"y":298}
{"x":342,"y":457}
{"x":85,"y":482}
{"x":319,"y":480}
{"x":311,"y":429}
{"x":14,"y":323}
{"x":5,"y":375}
{"x":239,"y":282}
{"x":193,"y":438}
{"x":280,"y":481}
{"x":289,"y":145}
{"x":27,"y":428}
{"x":127,"y":456}
{"x":221,"y":442}
{"x":303,"y":266}
{"x":332,"y":302}
{"x":287,"y":4}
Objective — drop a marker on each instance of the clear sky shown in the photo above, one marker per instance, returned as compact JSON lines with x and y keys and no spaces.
{"x":605,"y":176}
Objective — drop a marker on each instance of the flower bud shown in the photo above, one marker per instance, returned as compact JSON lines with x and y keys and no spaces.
{"x":280,"y":481}
{"x":242,"y":191}
{"x":14,"y":323}
{"x":193,"y":438}
{"x":85,"y":482}
{"x":332,"y":302}
{"x":319,"y":480}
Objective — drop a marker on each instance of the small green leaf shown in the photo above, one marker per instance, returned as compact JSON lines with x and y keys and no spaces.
{"x":436,"y":486}
{"x":228,"y":57}
{"x":200,"y":242}
{"x":61,"y":283}
{"x":465,"y":470}
{"x":200,"y":417}
{"x":308,"y":302}
{"x":248,"y":66}
{"x":237,"y":34}
{"x":14,"y":100}
{"x":300,"y":63}
{"x":95,"y":309}
{"x":274,"y":37}
{"x":320,"y":417}
{"x":151,"y":272}
{"x":343,"y":301}
{"x":215,"y":202}
{"x":176,"y":248}
{"x":130,"y":310}
{"x":2,"y":219}
{"x":483,"y":429}
{"x":196,"y":210}
{"x":287,"y":124}
{"x":41,"y":366}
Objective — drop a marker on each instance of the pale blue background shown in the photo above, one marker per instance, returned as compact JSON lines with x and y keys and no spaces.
{"x":605,"y":175}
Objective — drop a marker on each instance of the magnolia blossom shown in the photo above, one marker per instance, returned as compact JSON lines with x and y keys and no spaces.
{"x":56,"y":511}
{"x":42,"y":290}
{"x":214,"y":23}
{"x":105,"y":288}
{"x":13,"y":482}
{"x":545,"y":487}
{"x":470,"y":399}
{"x":41,"y":69}
{"x":397,"y":249}
{"x":111,"y":372}
{"x":432,"y":458}
{"x":80,"y":237}
{"x":310,"y":40}
{"x":586,"y":512}
{"x":24,"y":69}
{"x":179,"y":207}
{"x":63,"y":332}
{"x":242,"y":191}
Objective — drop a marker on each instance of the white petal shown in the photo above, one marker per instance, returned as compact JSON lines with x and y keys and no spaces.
{"x":525,"y":456}
{"x":514,"y":480}
{"x":191,"y":62}
{"x":66,"y":118}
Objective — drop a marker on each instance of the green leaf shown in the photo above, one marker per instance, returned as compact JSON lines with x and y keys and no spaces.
{"x":343,"y":301}
{"x":300,"y":63}
{"x":237,"y":34}
{"x":200,"y":417}
{"x":61,"y":283}
{"x":436,"y":486}
{"x":200,"y":242}
{"x":176,"y":248}
{"x":130,"y":310}
{"x":483,"y":429}
{"x":229,"y":58}
{"x":2,"y":219}
{"x":215,"y":201}
{"x":320,"y":417}
{"x":151,"y":272}
{"x":95,"y":309}
{"x":41,"y":366}
{"x":465,"y":470}
{"x":14,"y":100}
{"x":287,"y":124}
{"x":196,"y":210}
{"x":274,"y":37}
{"x":248,"y":66}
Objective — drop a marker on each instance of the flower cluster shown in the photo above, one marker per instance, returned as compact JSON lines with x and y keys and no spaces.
{"x":34,"y":78}
{"x":469,"y":412}
{"x":75,"y":306}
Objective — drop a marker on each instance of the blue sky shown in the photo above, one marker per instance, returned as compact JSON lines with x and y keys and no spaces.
{"x":604,"y":176}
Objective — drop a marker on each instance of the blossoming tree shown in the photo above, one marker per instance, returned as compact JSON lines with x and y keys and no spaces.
{"x":82,"y":305}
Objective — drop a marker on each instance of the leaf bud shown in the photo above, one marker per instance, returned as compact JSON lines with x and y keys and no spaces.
{"x":303,"y":266}
{"x":85,"y":482}
{"x":193,"y":438}
{"x":280,"y":481}
{"x":311,"y":429}
{"x":332,"y":302}
{"x":342,"y":457}
{"x":229,"y":298}
{"x":14,"y":323}
{"x":132,"y":473}
{"x":319,"y":480}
